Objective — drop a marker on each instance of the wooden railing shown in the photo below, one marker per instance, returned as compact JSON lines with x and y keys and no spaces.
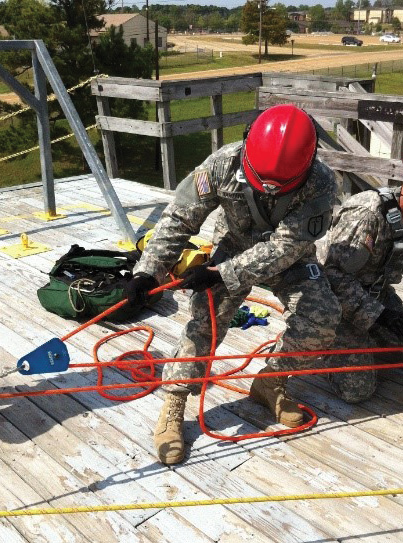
{"x":355,"y":114}
{"x":163,"y":92}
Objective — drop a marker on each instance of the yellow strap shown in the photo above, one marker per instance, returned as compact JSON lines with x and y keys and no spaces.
{"x":52,"y":97}
{"x":37,"y":146}
{"x":190,"y":503}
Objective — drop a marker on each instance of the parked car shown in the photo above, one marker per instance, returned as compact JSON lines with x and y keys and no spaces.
{"x":350,"y":40}
{"x":389,"y":38}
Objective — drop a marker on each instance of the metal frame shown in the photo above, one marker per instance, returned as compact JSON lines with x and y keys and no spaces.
{"x":44,"y":68}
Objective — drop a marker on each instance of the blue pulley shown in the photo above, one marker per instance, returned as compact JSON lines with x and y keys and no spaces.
{"x":51,"y":357}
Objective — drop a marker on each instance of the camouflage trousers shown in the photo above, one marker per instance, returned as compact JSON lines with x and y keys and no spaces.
{"x":355,"y":387}
{"x":312,"y":313}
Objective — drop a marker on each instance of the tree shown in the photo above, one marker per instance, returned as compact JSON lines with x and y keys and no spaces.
{"x":396,"y":24}
{"x":233,"y":23}
{"x":274,"y":25}
{"x":65,"y":28}
{"x":114,"y":57}
{"x":215,"y":21}
{"x":317,"y":15}
{"x":250,"y":23}
{"x":28,"y":19}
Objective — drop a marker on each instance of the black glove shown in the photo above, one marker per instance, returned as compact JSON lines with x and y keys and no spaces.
{"x":392,"y":320}
{"x":138,"y":287}
{"x":199,"y":278}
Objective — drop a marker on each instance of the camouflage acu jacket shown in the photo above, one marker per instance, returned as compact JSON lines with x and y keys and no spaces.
{"x":358,"y":247}
{"x":252,"y":258}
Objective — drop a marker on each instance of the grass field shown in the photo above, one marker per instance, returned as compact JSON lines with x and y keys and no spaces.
{"x":189,"y":150}
{"x":193,"y":62}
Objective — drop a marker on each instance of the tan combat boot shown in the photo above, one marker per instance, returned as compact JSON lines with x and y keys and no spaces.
{"x":271,"y":392}
{"x":168,"y":435}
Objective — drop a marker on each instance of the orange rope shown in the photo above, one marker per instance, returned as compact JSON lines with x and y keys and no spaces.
{"x":142,"y":369}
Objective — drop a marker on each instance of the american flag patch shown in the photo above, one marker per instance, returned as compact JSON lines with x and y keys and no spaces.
{"x":202,"y":182}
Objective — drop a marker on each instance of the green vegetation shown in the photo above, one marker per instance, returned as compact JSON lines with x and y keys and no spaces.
{"x":138,"y":156}
{"x":194,"y":63}
{"x":261,"y":22}
{"x":191,"y":149}
{"x":139,"y":163}
{"x":391,"y":83}
{"x":67,"y":160}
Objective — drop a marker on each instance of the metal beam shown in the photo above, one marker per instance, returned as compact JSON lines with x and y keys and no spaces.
{"x":16,"y":45}
{"x":19,"y":89}
{"x":44,"y":137}
{"x":84,"y":141}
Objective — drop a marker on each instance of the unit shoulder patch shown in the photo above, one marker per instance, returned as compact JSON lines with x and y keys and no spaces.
{"x":202,"y":182}
{"x":315,"y":225}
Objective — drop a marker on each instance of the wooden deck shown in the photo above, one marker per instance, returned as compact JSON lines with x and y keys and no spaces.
{"x":82,"y":449}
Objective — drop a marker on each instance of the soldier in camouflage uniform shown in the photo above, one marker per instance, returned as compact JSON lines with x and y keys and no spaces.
{"x":278,"y":251}
{"x":364,"y":256}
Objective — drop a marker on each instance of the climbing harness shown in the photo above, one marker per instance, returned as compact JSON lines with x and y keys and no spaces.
{"x":393,"y":217}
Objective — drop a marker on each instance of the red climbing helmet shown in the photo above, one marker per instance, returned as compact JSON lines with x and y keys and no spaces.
{"x":400,"y":198}
{"x":279,"y":149}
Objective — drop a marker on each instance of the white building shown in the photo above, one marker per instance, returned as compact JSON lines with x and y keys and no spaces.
{"x":134,"y":28}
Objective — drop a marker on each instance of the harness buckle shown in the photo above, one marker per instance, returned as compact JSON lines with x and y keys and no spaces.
{"x":393,"y":216}
{"x":313,"y":271}
{"x":266,"y":235}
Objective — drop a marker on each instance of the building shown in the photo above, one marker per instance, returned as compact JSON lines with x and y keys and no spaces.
{"x":134,"y":28}
{"x":300,"y":17}
{"x":377,"y":15}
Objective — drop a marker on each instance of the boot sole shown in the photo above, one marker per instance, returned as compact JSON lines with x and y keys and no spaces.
{"x":256,"y":397}
{"x":171,"y":461}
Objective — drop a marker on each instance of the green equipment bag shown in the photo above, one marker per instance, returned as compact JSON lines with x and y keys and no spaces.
{"x":83,"y":283}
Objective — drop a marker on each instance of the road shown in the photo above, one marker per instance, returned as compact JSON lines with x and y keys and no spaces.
{"x":313,"y":59}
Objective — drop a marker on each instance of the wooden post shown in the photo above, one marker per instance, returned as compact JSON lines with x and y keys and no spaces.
{"x":217,"y":135}
{"x":396,"y":150}
{"x":157,"y":76}
{"x":108,"y":140}
{"x":44,"y":137}
{"x":347,"y":187}
{"x":167,"y":147}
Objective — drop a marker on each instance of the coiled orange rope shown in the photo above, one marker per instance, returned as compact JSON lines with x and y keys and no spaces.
{"x":143,"y":369}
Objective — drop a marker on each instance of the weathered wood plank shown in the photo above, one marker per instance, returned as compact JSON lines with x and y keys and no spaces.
{"x":381,"y":167}
{"x":210,"y":123}
{"x":130,"y":126}
{"x":109,"y":89}
{"x":108,"y":139}
{"x":167,"y":148}
{"x":335,"y":104}
{"x":217,"y":135}
{"x":144,"y":89}
{"x":177,"y":128}
{"x":309,"y":81}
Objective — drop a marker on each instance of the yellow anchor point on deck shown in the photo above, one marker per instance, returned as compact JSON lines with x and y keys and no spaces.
{"x":24,"y":241}
{"x":25,"y":248}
